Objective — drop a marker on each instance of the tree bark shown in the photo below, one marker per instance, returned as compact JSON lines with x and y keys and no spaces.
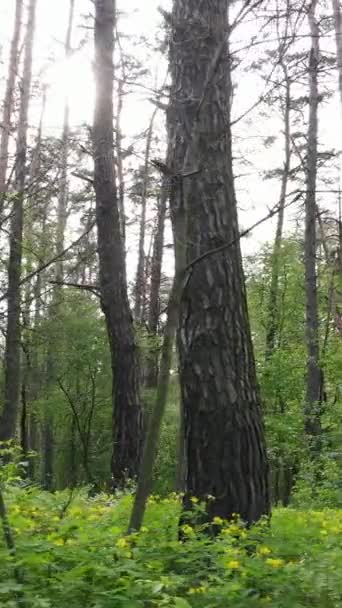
{"x":9,"y":414}
{"x":8,"y":101}
{"x":314,"y":380}
{"x":224,"y":437}
{"x":127,"y":417}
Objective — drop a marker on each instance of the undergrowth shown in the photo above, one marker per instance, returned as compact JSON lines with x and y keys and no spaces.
{"x":73,"y":553}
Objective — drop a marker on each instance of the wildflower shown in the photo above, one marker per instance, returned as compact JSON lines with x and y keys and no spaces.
{"x":188,"y":530}
{"x":233,"y":564}
{"x":263,"y":550}
{"x":218,"y":521}
{"x":275,"y":563}
{"x":59,"y":542}
{"x":121,"y":543}
{"x":194,"y":500}
{"x":200,"y":589}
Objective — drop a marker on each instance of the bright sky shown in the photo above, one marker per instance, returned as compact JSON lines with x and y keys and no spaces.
{"x":255,"y":195}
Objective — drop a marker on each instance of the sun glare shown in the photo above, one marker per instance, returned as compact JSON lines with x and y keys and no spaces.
{"x":70,"y":80}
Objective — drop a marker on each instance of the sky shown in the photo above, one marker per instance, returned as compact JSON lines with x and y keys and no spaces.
{"x":255,"y":195}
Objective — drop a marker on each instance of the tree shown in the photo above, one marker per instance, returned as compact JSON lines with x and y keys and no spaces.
{"x":224,"y":437}
{"x":55,"y":305}
{"x":139,"y":288}
{"x":314,"y":380}
{"x":114,"y":299}
{"x":8,"y":101}
{"x":9,"y":414}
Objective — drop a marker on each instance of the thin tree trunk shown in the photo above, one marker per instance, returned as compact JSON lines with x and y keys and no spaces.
{"x":9,"y":415}
{"x":63,"y":183}
{"x":155,"y":420}
{"x":119,"y":162}
{"x":8,"y":101}
{"x":154,"y":301}
{"x":314,"y":378}
{"x":224,"y":436}
{"x":140,"y":287}
{"x":56,"y":298}
{"x":273,"y":319}
{"x":127,"y":417}
{"x":338,"y":35}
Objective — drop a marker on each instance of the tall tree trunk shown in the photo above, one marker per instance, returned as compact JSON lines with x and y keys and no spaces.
{"x":114,"y":300}
{"x":119,"y":163}
{"x":154,"y":301}
{"x":224,"y":436}
{"x":9,"y":414}
{"x":140,"y":287}
{"x":56,"y":298}
{"x":273,"y":321}
{"x":8,"y":101}
{"x":314,"y":378}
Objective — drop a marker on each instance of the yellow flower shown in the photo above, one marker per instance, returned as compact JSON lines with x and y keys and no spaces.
{"x":121,"y":543}
{"x":188,"y":530}
{"x":218,"y":521}
{"x":275,"y":563}
{"x":233,"y":564}
{"x":194,"y":499}
{"x":200,"y":589}
{"x":59,"y":542}
{"x":264,"y":550}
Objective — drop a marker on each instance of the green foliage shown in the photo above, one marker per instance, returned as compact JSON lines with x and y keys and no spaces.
{"x":282,"y":377}
{"x":73,"y":552}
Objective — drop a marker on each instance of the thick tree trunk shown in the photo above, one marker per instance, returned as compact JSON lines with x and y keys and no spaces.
{"x":273,"y":320}
{"x":154,"y":300}
{"x":9,"y":414}
{"x":314,"y":380}
{"x":126,"y":399}
{"x":8,"y":101}
{"x":224,"y":437}
{"x":140,"y":287}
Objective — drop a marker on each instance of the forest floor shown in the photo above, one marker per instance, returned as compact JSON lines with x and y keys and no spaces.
{"x":72,"y":551}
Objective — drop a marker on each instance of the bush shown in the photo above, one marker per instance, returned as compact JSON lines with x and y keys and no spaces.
{"x":73,"y":552}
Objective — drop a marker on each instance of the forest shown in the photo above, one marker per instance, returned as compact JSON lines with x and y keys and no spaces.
{"x":171,"y":304}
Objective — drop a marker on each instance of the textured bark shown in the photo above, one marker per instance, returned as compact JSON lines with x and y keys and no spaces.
{"x":154,"y":300}
{"x":8,"y":101}
{"x":224,"y":438}
{"x":9,"y":414}
{"x":140,"y":287}
{"x":314,"y":380}
{"x":273,"y":320}
{"x":114,"y":300}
